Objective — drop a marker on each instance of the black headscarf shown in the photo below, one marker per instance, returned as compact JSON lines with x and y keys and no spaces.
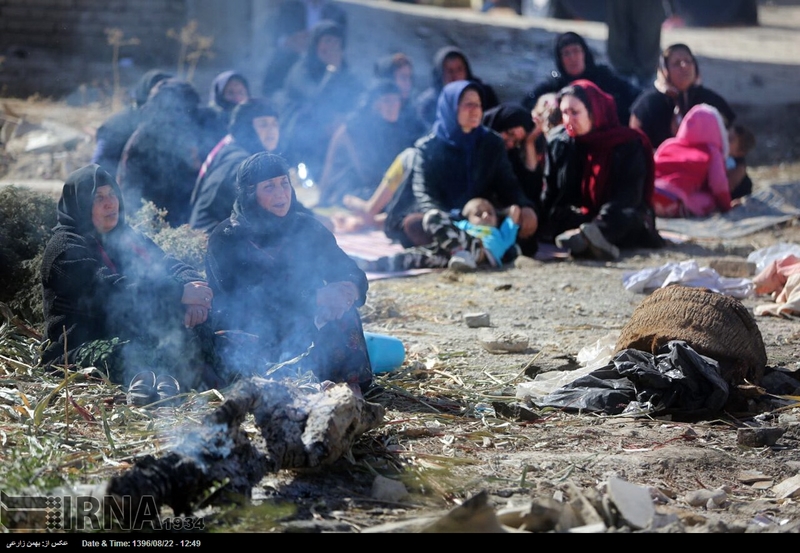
{"x":442,"y":54}
{"x":246,"y":210}
{"x":315,"y":66}
{"x":172,"y":100}
{"x":241,"y":125}
{"x":217,"y":97}
{"x":77,"y":198}
{"x":146,"y":83}
{"x":507,"y":116}
{"x":566,"y":39}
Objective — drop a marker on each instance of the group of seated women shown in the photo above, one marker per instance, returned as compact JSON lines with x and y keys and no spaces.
{"x":278,"y":292}
{"x":593,"y":178}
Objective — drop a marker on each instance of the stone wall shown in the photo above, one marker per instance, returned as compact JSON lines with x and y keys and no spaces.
{"x":51,"y":47}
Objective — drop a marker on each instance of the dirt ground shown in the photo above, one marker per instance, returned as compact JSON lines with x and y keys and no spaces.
{"x":446,"y":437}
{"x":449,"y":441}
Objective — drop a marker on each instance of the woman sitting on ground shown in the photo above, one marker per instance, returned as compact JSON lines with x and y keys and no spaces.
{"x":599,"y":179}
{"x":112,"y":298}
{"x":283,"y":287}
{"x":658,"y":113}
{"x":364,"y":146}
{"x":691,"y":180}
{"x":459,"y":160}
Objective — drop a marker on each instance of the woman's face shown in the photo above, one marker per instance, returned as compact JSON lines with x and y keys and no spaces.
{"x":388,"y":106}
{"x":330,"y":51}
{"x":275,"y":195}
{"x":513,"y":137}
{"x":575,"y":116}
{"x":105,"y":209}
{"x":268,"y":131}
{"x":573,"y":58}
{"x":454,"y":69}
{"x":404,"y":79}
{"x":235,"y":92}
{"x":470,"y":112}
{"x":681,"y":70}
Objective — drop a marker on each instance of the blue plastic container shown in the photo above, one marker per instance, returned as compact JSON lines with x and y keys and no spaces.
{"x":386,"y":353}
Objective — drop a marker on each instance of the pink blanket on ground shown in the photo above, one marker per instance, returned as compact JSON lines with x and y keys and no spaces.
{"x":372,"y":245}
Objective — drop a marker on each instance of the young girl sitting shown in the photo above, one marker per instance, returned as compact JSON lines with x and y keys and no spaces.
{"x":691,"y":178}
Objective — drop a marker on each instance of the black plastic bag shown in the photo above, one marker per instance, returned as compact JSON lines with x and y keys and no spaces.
{"x":677,"y":380}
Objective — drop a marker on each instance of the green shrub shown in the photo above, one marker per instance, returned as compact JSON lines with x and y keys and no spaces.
{"x":27,"y":219}
{"x":183,"y":242}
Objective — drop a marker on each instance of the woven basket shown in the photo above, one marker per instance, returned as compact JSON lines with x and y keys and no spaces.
{"x":713,"y":324}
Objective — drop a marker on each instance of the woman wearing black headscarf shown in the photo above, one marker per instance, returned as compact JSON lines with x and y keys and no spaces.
{"x":112,"y":298}
{"x":254,"y":128}
{"x":228,"y":90}
{"x":319,"y":92}
{"x":574,"y":60}
{"x":450,"y":64}
{"x":161,"y":160}
{"x":117,"y":129}
{"x":398,"y":68}
{"x":525,"y":144}
{"x":363,"y":148}
{"x":282,"y":284}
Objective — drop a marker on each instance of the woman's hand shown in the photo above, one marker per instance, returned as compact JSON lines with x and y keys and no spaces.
{"x":515,"y":213}
{"x":195,"y":315}
{"x":335,"y":299}
{"x":197,"y":293}
{"x":529,"y":222}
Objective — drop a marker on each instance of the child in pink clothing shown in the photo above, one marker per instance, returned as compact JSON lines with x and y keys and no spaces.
{"x":691,"y":178}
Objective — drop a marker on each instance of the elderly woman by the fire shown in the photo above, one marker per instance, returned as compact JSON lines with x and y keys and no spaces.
{"x":114,"y":300}
{"x":283,"y":289}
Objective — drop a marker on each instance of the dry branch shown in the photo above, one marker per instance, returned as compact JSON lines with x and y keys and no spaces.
{"x":299,"y":429}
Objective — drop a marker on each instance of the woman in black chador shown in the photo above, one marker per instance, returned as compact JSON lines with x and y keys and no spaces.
{"x":115,"y":300}
{"x":282,"y":286}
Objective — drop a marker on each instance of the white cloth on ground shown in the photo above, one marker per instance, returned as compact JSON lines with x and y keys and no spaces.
{"x":687,"y":273}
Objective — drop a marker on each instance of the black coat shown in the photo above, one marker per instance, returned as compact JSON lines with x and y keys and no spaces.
{"x":215,"y":191}
{"x":425,"y":103}
{"x":121,"y":286}
{"x":623,"y":92}
{"x":655,"y":110}
{"x":627,"y":217}
{"x":433,"y":182}
{"x":265,"y":283}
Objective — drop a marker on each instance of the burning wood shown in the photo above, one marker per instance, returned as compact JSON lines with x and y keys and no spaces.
{"x":299,"y":429}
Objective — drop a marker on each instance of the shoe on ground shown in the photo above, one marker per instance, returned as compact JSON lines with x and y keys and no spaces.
{"x":142,"y":389}
{"x":462,"y":262}
{"x":167,"y":387}
{"x":599,"y":246}
{"x":574,"y":241}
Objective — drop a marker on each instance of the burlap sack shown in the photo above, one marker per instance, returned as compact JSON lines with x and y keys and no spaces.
{"x":713,"y":324}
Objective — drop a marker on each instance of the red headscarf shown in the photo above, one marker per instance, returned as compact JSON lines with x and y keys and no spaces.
{"x":606,"y":134}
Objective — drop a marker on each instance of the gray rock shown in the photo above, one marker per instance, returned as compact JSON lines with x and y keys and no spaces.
{"x":503,"y":342}
{"x":477,"y":320}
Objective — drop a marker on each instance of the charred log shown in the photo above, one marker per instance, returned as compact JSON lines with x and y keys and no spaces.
{"x":299,"y":429}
